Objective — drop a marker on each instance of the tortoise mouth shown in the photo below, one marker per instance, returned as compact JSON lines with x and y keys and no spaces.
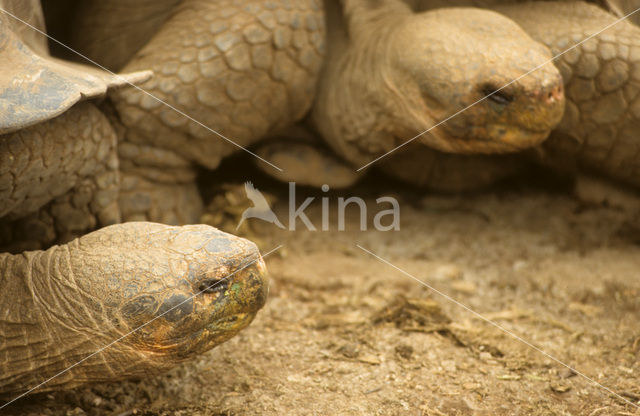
{"x":213,"y":334}
{"x":196,"y":342}
{"x":490,"y":138}
{"x":506,"y":138}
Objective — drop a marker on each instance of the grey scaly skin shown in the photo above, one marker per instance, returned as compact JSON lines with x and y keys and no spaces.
{"x":195,"y":286}
{"x":59,"y":178}
{"x":58,"y":153}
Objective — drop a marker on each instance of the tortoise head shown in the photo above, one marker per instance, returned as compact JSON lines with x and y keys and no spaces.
{"x":175,"y":291}
{"x":400,"y":73}
{"x":448,"y":60}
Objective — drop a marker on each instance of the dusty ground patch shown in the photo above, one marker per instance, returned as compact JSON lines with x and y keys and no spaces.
{"x":343,"y":333}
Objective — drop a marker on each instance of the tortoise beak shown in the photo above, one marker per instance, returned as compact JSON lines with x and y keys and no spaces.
{"x":227,"y":307}
{"x":249,"y":287}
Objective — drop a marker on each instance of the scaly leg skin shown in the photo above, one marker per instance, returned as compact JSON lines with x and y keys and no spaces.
{"x":157,"y":184}
{"x":58,"y":179}
{"x":242,"y":68}
{"x":602,"y":78}
{"x":195,"y":286}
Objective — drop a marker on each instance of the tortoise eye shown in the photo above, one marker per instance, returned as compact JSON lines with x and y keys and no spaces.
{"x":497,"y":96}
{"x":213,"y":285}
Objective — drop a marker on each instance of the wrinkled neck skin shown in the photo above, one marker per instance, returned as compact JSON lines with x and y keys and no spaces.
{"x":47,"y":325}
{"x":363,"y":17}
{"x":355,"y":99}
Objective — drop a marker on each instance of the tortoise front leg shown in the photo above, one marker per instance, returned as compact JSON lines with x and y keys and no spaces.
{"x":157,"y":185}
{"x":58,"y":179}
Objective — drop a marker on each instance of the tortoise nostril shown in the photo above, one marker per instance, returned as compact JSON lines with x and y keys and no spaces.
{"x":213,"y":285}
{"x":556,"y":94}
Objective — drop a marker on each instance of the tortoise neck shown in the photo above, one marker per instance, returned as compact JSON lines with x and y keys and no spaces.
{"x":367,"y":17}
{"x":16,"y":278}
{"x":43,"y":322}
{"x":17,"y":274}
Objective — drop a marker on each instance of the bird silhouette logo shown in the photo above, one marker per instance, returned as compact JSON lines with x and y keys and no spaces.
{"x":260,"y":208}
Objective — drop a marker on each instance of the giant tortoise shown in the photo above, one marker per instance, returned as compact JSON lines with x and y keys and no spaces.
{"x":227,"y":74}
{"x":124,"y":301}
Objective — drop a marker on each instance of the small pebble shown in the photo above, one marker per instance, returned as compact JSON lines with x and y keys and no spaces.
{"x":566,"y":373}
{"x":404,"y":351}
{"x":560,"y":386}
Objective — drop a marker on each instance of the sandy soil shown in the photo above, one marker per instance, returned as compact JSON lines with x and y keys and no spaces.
{"x":345,"y":334}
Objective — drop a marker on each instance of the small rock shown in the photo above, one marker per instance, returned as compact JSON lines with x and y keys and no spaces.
{"x":486,"y":356}
{"x":600,"y":191}
{"x":404,"y":351}
{"x":349,"y":351}
{"x":560,"y":386}
{"x":566,"y":373}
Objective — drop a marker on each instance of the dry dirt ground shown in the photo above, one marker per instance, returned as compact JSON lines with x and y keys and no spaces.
{"x":345,"y":334}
